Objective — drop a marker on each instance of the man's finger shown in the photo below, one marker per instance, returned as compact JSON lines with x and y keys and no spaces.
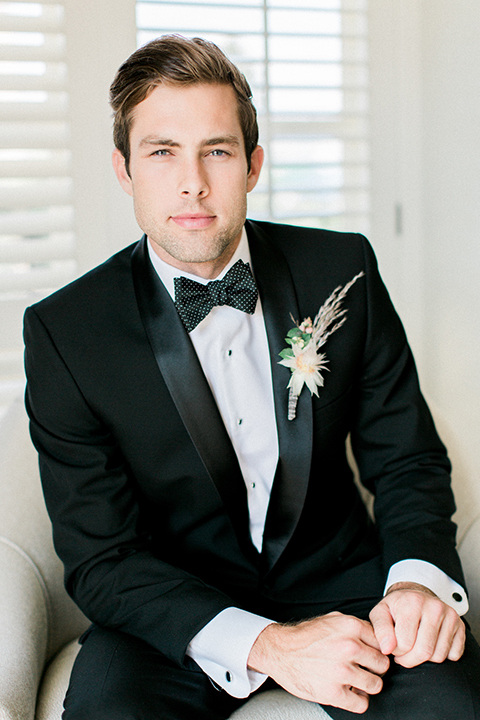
{"x":413,"y":632}
{"x":458,"y":644}
{"x":353,"y":700}
{"x":445,"y":638}
{"x":366,"y":682}
{"x":373,"y":662}
{"x":451,"y":639}
{"x":410,"y":654}
{"x":384,"y":628}
{"x":440,"y":636}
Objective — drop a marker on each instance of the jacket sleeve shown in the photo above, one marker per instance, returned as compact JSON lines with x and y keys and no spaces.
{"x":400,"y":456}
{"x":110,"y":570}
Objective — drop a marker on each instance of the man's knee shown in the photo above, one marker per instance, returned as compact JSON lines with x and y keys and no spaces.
{"x":119,"y":677}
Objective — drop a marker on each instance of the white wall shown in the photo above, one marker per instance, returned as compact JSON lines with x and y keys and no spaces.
{"x":451,"y":217}
{"x":426,"y":157}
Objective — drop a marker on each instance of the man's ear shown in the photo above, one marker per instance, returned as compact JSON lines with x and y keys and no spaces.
{"x":256,"y":163}
{"x":120,"y":168}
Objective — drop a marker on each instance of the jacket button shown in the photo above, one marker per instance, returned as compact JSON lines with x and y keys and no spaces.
{"x":457,"y":597}
{"x":228,"y":676}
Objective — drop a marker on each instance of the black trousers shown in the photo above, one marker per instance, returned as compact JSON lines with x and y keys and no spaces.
{"x":118,"y":677}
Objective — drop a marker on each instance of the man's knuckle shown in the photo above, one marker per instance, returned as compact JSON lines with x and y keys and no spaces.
{"x":417,"y":601}
{"x":404,"y":645}
{"x":340,"y":696}
{"x":438,"y":612}
{"x":455,"y":654}
{"x":383,"y":664}
{"x":348,"y":647}
{"x":438,"y":657}
{"x":452,"y":618}
{"x":423,"y":655}
{"x":343,"y":676}
{"x":355,"y":626}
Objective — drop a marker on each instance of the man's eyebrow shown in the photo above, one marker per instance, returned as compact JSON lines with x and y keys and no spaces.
{"x":223,"y":140}
{"x":154,"y":140}
{"x":232,"y":140}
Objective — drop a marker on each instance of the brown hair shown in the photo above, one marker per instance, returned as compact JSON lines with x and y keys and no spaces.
{"x":175,"y":60}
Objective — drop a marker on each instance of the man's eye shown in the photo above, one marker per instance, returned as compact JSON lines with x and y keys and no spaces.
{"x":162,"y":152}
{"x":218,"y":153}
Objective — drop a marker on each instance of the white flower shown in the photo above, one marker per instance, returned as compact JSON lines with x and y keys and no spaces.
{"x":305,"y":365}
{"x":306,"y":339}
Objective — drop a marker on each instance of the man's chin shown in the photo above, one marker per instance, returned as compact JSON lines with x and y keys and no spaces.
{"x":198,"y":248}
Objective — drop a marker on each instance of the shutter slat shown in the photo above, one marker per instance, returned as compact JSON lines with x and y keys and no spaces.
{"x":36,"y":222}
{"x":53,"y":79}
{"x":35,"y":192}
{"x":33,"y":279}
{"x":49,"y":20}
{"x":52,"y":107}
{"x":55,"y":165}
{"x":60,"y":246}
{"x":34,"y":135}
{"x":347,"y":127}
{"x":52,"y":49}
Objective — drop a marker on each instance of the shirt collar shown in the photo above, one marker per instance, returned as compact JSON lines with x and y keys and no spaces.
{"x":167,"y":272}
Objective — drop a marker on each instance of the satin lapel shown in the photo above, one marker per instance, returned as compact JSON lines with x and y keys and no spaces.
{"x":279,"y":301}
{"x":183,"y":375}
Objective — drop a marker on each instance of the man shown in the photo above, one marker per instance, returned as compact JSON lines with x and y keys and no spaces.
{"x":206,"y":515}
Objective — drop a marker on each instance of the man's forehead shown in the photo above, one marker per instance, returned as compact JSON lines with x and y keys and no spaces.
{"x":169,"y":108}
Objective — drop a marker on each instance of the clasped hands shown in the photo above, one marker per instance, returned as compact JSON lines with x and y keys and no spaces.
{"x":339,"y":660}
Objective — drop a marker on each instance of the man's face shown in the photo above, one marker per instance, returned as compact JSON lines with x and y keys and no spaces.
{"x":188,"y":175}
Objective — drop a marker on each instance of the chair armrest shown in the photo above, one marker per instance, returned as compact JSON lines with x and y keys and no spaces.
{"x":23,"y":632}
{"x":469,"y":551}
{"x":279,"y":704}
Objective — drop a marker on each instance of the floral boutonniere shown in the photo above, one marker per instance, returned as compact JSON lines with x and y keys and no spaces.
{"x":305,"y":340}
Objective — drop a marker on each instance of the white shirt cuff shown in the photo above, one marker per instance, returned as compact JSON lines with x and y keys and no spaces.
{"x":424,"y":573}
{"x":222,"y":648}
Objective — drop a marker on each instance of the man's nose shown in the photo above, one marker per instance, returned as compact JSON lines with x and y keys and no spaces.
{"x":193,"y":181}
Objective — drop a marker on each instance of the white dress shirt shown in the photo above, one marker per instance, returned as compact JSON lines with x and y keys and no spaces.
{"x":233,"y":350}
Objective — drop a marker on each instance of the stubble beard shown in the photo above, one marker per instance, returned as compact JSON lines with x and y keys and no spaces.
{"x":198,"y":249}
{"x":198,"y":246}
{"x":193,"y":246}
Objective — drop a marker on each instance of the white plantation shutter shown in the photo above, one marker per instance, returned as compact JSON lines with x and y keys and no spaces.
{"x":36,"y":211}
{"x":306,"y":62}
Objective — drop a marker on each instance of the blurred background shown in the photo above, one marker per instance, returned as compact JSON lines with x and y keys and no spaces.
{"x":369,"y":114}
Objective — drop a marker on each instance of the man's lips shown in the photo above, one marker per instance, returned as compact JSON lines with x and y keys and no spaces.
{"x":191,"y":221}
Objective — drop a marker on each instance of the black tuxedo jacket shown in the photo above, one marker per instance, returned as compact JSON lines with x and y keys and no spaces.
{"x":145,"y":493}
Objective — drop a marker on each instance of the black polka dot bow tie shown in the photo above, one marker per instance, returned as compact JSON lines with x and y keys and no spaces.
{"x":194,"y":300}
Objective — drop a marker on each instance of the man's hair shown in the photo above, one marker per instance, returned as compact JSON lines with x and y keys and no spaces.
{"x":175,"y":61}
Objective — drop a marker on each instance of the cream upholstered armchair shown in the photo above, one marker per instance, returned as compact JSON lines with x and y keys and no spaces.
{"x":39,"y":624}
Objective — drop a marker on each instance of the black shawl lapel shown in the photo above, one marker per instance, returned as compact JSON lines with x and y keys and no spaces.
{"x":186,"y":382}
{"x":279,"y":301}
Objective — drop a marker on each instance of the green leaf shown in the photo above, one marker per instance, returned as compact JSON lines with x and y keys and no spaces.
{"x":287,"y":353}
